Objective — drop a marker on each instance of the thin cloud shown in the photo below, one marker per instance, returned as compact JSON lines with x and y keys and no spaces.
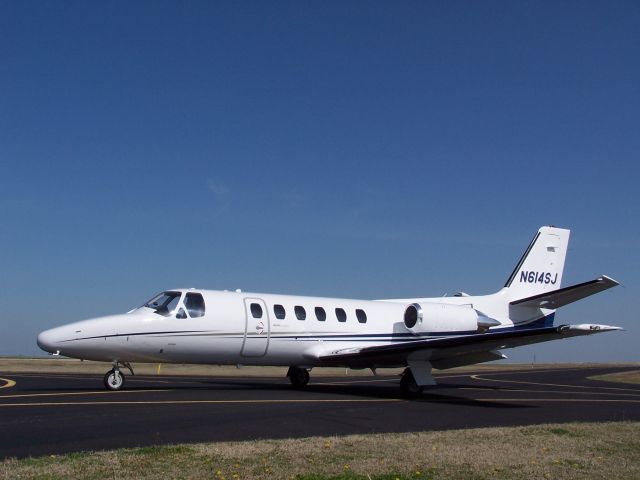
{"x":221,"y":196}
{"x":218,"y":189}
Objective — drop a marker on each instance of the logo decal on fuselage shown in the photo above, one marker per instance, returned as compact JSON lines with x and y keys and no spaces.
{"x":538,"y":277}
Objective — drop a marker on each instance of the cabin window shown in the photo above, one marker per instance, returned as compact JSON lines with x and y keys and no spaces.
{"x":341,"y":315}
{"x":194,"y":304}
{"x":321,"y":315}
{"x":165,"y":303}
{"x":362,"y":317}
{"x":256,"y":310}
{"x":279,"y":312}
{"x":300,"y":313}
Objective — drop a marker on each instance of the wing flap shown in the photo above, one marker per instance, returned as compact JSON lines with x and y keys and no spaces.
{"x":567,"y":295}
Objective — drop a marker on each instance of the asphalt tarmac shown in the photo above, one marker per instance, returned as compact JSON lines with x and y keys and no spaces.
{"x":43,"y":414}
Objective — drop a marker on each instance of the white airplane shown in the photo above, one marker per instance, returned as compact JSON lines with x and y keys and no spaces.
{"x":238,"y":328}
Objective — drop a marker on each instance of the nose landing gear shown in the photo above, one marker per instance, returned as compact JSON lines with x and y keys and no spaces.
{"x":114,"y":378}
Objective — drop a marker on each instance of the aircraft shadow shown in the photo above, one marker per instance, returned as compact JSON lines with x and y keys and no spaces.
{"x":432,"y":395}
{"x":441,"y":393}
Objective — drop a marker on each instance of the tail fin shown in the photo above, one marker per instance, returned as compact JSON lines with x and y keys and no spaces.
{"x":540,"y":268}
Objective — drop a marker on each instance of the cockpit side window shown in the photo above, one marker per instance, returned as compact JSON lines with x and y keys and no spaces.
{"x":165,"y":303}
{"x":195,"y":304}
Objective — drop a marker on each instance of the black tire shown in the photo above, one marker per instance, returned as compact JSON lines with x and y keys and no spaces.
{"x":299,"y":377}
{"x":111,"y":380}
{"x":408,"y":385}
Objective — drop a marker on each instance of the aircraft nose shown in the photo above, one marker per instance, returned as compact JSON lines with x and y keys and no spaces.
{"x":48,"y":340}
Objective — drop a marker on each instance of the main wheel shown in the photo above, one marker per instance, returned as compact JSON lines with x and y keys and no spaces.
{"x":408,"y":384}
{"x":298,"y":377}
{"x":113,"y":380}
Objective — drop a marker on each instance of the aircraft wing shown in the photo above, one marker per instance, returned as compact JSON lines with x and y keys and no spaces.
{"x":567,"y":295}
{"x":455,"y":350}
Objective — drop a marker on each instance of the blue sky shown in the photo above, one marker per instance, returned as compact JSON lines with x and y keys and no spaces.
{"x":356,"y":149}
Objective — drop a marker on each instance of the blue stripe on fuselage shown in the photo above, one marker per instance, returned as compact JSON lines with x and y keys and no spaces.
{"x":546,"y":321}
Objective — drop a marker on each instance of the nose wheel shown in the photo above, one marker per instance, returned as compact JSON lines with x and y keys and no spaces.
{"x":113,"y":380}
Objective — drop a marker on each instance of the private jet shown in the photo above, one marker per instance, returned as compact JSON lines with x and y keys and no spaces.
{"x":418,"y":334}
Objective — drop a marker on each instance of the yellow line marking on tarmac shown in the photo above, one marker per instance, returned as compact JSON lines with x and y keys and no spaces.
{"x":57,"y":375}
{"x":289,"y":401}
{"x":509,"y":372}
{"x":90,"y":376}
{"x":9,"y":383}
{"x":577,"y":400}
{"x":342,"y":382}
{"x":478,"y":377}
{"x":195,"y":402}
{"x":98,"y":392}
{"x":636,"y":394}
{"x":139,"y":380}
{"x":145,"y":378}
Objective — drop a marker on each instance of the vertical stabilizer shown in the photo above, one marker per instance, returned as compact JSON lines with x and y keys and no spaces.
{"x":540,"y":268}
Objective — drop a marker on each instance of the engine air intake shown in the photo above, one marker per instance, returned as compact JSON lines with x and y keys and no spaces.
{"x":412,"y":314}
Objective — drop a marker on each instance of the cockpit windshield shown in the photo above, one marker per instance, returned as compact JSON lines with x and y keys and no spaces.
{"x":164,"y":303}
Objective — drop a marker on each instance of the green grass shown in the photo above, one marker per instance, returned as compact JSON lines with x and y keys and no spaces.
{"x":575,"y":450}
{"x":352,"y":476}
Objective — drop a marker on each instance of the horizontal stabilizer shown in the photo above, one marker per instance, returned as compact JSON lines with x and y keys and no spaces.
{"x":567,"y":295}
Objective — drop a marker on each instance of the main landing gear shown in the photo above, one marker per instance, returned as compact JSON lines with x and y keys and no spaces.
{"x":298,"y":376}
{"x":416,"y":376}
{"x":408,"y":385}
{"x":114,"y":378}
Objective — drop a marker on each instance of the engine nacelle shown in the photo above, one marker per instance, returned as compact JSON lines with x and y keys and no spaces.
{"x":440,"y":317}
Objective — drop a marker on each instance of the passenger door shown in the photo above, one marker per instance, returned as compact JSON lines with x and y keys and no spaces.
{"x":256,"y":333}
